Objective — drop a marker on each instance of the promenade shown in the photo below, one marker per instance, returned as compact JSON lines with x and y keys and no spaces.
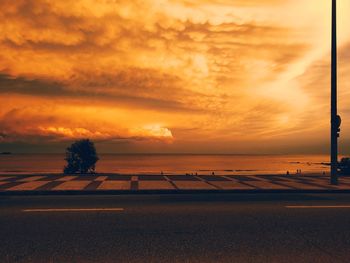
{"x":113,"y":183}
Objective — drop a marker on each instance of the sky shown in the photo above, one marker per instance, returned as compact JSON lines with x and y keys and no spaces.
{"x":171,"y":76}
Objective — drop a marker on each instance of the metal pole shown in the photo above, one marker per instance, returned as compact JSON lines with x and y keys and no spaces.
{"x":334,"y":115}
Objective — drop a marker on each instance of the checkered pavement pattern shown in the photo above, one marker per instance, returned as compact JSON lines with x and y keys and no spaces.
{"x":163,"y":182}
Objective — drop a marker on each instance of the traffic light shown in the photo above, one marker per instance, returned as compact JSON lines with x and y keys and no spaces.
{"x":338,"y":124}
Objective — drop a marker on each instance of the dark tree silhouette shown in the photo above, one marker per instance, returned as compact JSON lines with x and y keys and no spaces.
{"x":81,"y":157}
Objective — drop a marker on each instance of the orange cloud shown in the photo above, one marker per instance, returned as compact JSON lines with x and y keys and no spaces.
{"x":189,"y":72}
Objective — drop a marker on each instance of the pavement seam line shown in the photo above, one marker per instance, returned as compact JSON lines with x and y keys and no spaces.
{"x":316,"y":206}
{"x":72,"y":209}
{"x":171,"y":182}
{"x":207,"y":182}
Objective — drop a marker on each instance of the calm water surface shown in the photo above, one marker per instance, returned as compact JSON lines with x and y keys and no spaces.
{"x":172,"y":164}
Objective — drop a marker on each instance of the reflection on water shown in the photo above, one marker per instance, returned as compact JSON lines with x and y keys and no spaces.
{"x":172,"y":164}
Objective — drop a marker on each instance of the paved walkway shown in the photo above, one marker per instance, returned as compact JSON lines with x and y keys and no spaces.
{"x":173,"y":183}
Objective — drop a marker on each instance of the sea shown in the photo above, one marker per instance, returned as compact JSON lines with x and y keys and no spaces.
{"x":171,"y":164}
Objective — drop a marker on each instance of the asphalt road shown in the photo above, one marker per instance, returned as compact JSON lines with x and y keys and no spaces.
{"x":193,"y":228}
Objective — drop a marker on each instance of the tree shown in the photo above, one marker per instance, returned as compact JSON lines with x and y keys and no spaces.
{"x":81,"y":157}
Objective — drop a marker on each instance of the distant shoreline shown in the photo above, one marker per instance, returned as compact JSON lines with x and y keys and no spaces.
{"x":2,"y":174}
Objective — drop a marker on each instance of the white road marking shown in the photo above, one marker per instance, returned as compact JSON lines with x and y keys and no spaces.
{"x":316,"y":206}
{"x":74,"y":210}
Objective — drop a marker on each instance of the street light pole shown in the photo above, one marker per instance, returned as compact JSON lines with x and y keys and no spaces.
{"x":335,"y":118}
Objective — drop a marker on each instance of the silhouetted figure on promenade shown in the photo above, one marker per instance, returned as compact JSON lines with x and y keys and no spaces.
{"x":344,"y":166}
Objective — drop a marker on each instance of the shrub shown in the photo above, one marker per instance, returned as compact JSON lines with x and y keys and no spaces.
{"x":81,"y":157}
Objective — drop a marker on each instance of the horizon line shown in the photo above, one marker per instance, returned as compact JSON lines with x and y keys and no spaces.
{"x":177,"y":153}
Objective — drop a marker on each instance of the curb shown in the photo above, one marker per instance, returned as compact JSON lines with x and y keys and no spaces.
{"x":170,"y":192}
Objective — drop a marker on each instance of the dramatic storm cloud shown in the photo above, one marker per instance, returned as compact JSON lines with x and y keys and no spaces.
{"x":171,"y":75}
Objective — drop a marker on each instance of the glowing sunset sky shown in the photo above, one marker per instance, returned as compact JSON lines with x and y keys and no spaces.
{"x":206,"y":76}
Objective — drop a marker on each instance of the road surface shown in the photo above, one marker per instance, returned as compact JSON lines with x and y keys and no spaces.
{"x":170,"y":228}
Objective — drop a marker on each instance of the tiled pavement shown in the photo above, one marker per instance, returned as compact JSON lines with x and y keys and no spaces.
{"x":173,"y":183}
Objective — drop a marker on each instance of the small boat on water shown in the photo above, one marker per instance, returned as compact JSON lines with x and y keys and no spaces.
{"x":6,"y":153}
